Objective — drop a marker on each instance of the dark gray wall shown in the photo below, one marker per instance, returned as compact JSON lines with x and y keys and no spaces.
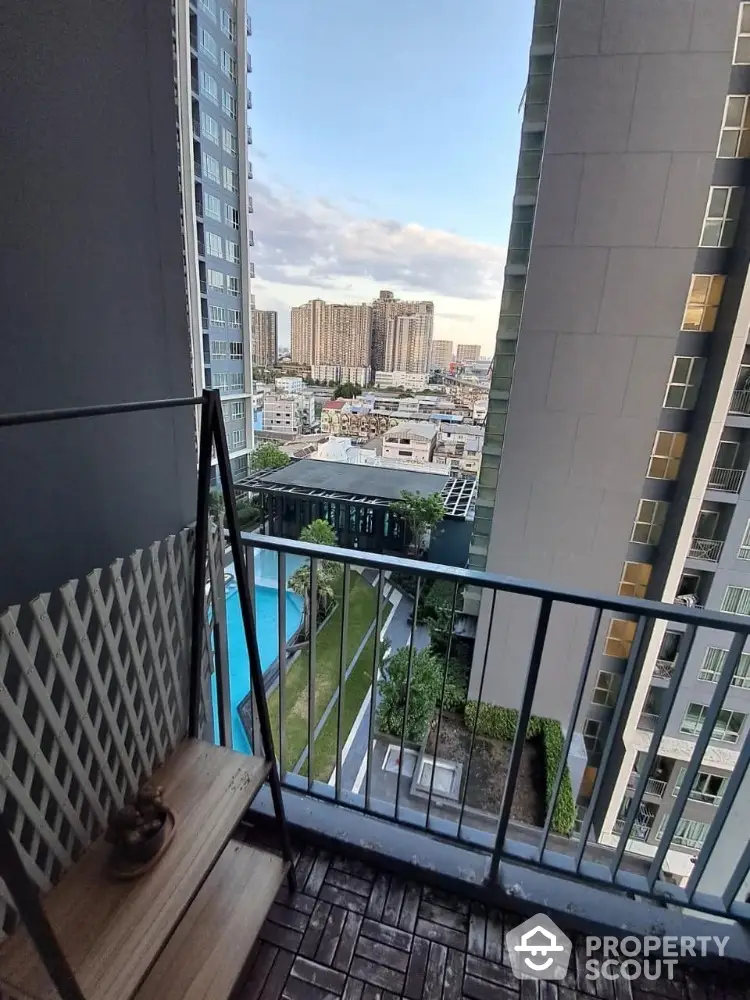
{"x":92,"y":288}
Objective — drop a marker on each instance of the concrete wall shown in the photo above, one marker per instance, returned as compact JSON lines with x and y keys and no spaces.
{"x":635,"y":112}
{"x":92,"y":286}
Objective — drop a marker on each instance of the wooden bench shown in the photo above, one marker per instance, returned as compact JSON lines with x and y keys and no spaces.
{"x":185,"y":928}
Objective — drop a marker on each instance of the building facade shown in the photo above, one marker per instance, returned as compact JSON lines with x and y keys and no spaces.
{"x":466,"y":353}
{"x":329,"y":333}
{"x":441,"y":354}
{"x":413,"y":442}
{"x":265,"y":337}
{"x":408,"y":343}
{"x":288,"y":413}
{"x":384,"y":309}
{"x":410,"y":381}
{"x":289,"y":383}
{"x":617,"y":433}
{"x":214,"y":99}
{"x":341,"y":374}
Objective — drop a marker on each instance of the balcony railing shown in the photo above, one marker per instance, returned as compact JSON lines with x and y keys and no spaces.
{"x":728,"y":480}
{"x":654,"y":786}
{"x":647,"y":722}
{"x":664,"y":668}
{"x":708,"y":549}
{"x":639,"y":830}
{"x":740,"y":402}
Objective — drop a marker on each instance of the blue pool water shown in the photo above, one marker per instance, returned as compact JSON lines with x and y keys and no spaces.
{"x":267,"y":629}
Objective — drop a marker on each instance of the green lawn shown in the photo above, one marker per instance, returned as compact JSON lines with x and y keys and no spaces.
{"x":361,"y":612}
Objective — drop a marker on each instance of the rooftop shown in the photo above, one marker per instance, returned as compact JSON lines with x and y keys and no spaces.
{"x":334,"y":404}
{"x":383,"y":484}
{"x":418,"y":428}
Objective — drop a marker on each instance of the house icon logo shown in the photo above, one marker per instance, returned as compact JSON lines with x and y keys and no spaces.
{"x":538,"y":949}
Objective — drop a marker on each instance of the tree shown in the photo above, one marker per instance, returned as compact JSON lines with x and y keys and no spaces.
{"x":317,"y":532}
{"x":424,"y":692}
{"x":419,"y":511}
{"x":347,"y":390}
{"x":268,"y":456}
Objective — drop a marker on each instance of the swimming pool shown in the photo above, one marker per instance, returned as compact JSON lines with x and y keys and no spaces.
{"x":267,"y":629}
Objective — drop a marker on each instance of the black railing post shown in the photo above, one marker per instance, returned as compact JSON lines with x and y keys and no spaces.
{"x":243,"y":592}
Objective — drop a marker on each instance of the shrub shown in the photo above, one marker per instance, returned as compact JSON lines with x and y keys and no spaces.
{"x":500,"y":723}
{"x":456,"y":687}
{"x":424,"y":692}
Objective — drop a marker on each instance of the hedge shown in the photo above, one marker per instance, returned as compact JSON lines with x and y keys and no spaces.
{"x":500,"y":724}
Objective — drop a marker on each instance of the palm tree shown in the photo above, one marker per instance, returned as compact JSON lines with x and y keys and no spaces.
{"x":325,"y":579}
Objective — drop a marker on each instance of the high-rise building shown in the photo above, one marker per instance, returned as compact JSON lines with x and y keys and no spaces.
{"x":442,"y":354}
{"x":466,"y":353}
{"x":328,"y":333}
{"x":618,"y":432}
{"x":385,"y":308}
{"x":265,"y":337}
{"x":408,"y":342}
{"x":213,"y":64}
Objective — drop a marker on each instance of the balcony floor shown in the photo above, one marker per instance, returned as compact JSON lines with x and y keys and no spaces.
{"x":359,"y":934}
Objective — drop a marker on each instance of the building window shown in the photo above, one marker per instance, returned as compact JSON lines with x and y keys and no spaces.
{"x":742,"y":42}
{"x":744,"y":550}
{"x":230,"y":180}
{"x":220,"y":381}
{"x":235,"y":349}
{"x":217,"y":315}
{"x":233,"y":285}
{"x":228,"y":65}
{"x":592,"y":737}
{"x":703,"y":302}
{"x":232,"y":217}
{"x":713,"y":662}
{"x":214,"y":246}
{"x":666,"y":455}
{"x":736,"y":601}
{"x":237,"y":382}
{"x":228,"y":25}
{"x":219,"y":351}
{"x":209,"y":46}
{"x":229,"y":105}
{"x":684,"y":380}
{"x":238,"y":410}
{"x":212,"y":204}
{"x":233,"y":252}
{"x":215,"y":279}
{"x":209,"y":127}
{"x":229,"y":141}
{"x":606,"y":688}
{"x":634,"y":579}
{"x":619,"y":638}
{"x":209,"y":6}
{"x":649,"y":522}
{"x":734,"y":141}
{"x":722,"y":213}
{"x":234,"y":318}
{"x":706,"y":787}
{"x":211,"y":168}
{"x":238,"y":440}
{"x":728,"y":724}
{"x":209,"y":87}
{"x":688,"y":833}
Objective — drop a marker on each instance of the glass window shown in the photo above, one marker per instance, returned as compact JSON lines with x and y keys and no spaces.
{"x":229,"y":141}
{"x":237,"y":382}
{"x":210,"y":169}
{"x":649,"y":522}
{"x":735,"y":130}
{"x":231,"y":182}
{"x":666,"y":455}
{"x":238,"y":439}
{"x":703,"y":302}
{"x":238,"y":410}
{"x":232,"y":216}
{"x":209,"y":127}
{"x":722,"y":213}
{"x":606,"y":688}
{"x":214,"y":246}
{"x":713,"y":662}
{"x":209,"y":86}
{"x":592,"y":736}
{"x":217,"y":315}
{"x":228,"y":25}
{"x":229,"y":105}
{"x":228,"y":65}
{"x":736,"y":601}
{"x":236,"y":352}
{"x":233,"y":252}
{"x":744,"y":550}
{"x":212,"y":204}
{"x":209,"y":46}
{"x":690,"y":833}
{"x":682,"y":389}
{"x":234,"y":318}
{"x":233,"y":285}
{"x":728,"y":724}
{"x":706,"y":787}
{"x":742,"y":42}
{"x":209,"y":6}
{"x":634,"y":579}
{"x":219,"y":350}
{"x":620,"y":637}
{"x":215,"y":279}
{"x":220,"y":381}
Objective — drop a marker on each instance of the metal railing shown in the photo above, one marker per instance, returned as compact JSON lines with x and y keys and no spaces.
{"x":354,"y":726}
{"x":664,"y":668}
{"x":638,"y":831}
{"x":728,"y":480}
{"x":740,"y":402}
{"x":708,"y":549}
{"x":654,"y":786}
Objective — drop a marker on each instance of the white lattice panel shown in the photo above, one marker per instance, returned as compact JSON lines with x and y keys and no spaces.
{"x":94,"y":683}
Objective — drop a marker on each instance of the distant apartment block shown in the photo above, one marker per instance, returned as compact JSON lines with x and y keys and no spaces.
{"x":385,"y":309}
{"x":289,"y":383}
{"x":441,"y":354}
{"x":413,"y":441}
{"x":327,"y":333}
{"x":466,"y":353}
{"x":341,"y":374}
{"x":265,"y":337}
{"x":401,"y":380}
{"x":288,"y":413}
{"x":408,"y":342}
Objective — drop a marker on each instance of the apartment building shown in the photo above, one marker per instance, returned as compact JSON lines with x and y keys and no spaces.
{"x":385,"y":309}
{"x":356,"y":420}
{"x":408,"y":344}
{"x":441,"y":355}
{"x":289,"y":383}
{"x":288,"y":412}
{"x":329,"y":333}
{"x":618,"y":430}
{"x":399,"y":379}
{"x":466,"y":353}
{"x":341,"y":374}
{"x":415,"y":442}
{"x":265,"y":337}
{"x":212,"y":68}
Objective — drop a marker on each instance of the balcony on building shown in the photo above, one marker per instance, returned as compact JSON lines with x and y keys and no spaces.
{"x":657,"y":780}
{"x":652,"y":710}
{"x":739,"y":404}
{"x":644,"y":824}
{"x":667,"y":658}
{"x":711,"y":529}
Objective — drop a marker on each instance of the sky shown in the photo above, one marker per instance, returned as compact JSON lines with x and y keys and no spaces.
{"x":385,"y":144}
